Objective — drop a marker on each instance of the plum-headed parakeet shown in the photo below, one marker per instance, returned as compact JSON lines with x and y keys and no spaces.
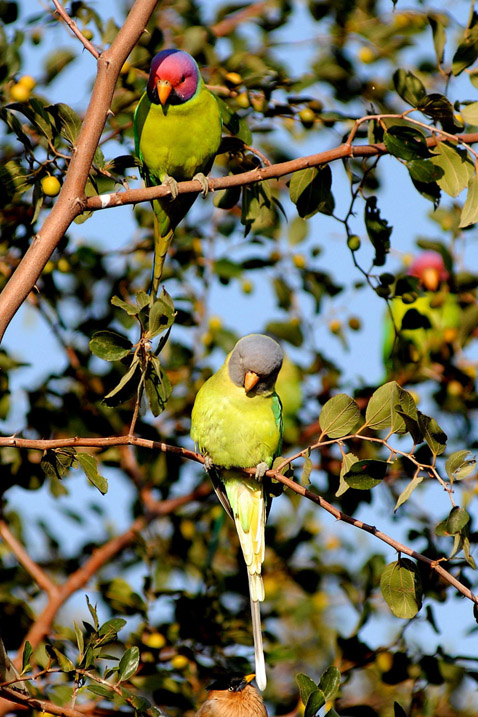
{"x":427,"y":324}
{"x":237,"y":423}
{"x":177,"y":133}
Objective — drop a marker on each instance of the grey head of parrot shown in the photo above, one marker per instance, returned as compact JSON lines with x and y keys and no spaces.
{"x":255,"y":362}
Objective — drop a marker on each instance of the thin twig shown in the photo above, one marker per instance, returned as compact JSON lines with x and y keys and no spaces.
{"x":39,"y":575}
{"x":75,"y":29}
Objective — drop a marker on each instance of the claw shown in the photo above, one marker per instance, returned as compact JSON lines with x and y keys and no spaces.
{"x":171,"y":184}
{"x":208,"y":463}
{"x":204,"y":182}
{"x":261,"y":469}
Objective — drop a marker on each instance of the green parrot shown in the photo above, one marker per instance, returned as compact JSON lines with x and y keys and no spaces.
{"x":177,"y":133}
{"x":236,"y":422}
{"x":427,"y":325}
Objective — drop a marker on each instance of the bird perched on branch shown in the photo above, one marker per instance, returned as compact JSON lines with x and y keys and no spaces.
{"x":237,"y":423}
{"x":427,"y":320}
{"x":233,"y":696}
{"x":177,"y":133}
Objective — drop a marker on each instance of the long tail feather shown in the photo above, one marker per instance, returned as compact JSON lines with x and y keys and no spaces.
{"x":161,"y":247}
{"x":260,"y":664}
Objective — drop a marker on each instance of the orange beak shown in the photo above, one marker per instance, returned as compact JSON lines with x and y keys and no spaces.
{"x":249,"y":678}
{"x":431,"y":279}
{"x":164,"y":90}
{"x":250,"y":380}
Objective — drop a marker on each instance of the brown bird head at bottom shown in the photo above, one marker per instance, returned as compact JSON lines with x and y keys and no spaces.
{"x":232,"y":696}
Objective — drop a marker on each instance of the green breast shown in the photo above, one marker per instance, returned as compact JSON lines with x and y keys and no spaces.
{"x":233,"y":428}
{"x":178,"y":140}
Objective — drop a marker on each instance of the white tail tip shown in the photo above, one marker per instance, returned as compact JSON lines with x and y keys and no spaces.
{"x":260,"y":665}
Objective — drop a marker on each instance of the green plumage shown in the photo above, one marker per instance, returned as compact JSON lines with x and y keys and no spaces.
{"x":238,"y":428}
{"x":175,"y":140}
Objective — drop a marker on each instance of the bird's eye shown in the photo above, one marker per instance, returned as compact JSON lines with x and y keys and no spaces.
{"x":183,"y":78}
{"x":231,"y":689}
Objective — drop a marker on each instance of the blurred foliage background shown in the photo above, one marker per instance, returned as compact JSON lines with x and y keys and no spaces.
{"x":312,"y":259}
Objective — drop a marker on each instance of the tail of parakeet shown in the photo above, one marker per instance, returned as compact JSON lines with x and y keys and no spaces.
{"x":162,"y":242}
{"x":248,"y":506}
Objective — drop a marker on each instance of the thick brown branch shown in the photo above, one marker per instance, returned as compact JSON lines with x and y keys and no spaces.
{"x":274,"y":171}
{"x":32,"y":703}
{"x":67,"y":206}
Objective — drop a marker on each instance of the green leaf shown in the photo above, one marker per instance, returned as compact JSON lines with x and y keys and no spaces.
{"x":424,"y":171}
{"x":457,"y":520}
{"x":80,"y":641}
{"x":459,"y":465}
{"x":340,"y":416}
{"x":401,"y":588}
{"x":467,"y":51}
{"x":90,"y":467}
{"x":466,"y":551}
{"x":112,"y":398}
{"x":469,"y":113}
{"x":432,"y":433}
{"x":409,"y":87}
{"x":306,"y":686}
{"x":128,"y":664}
{"x":93,"y":612}
{"x":68,"y":122}
{"x":315,"y":701}
{"x":306,"y":471}
{"x":439,"y":37}
{"x":157,"y":386}
{"x":143,"y":299}
{"x":405,"y":494}
{"x":366,"y":474}
{"x":64,"y":662}
{"x":329,"y":683}
{"x":112,"y":627}
{"x":56,"y":463}
{"x":161,"y":315}
{"x":378,"y":231}
{"x":378,"y":415}
{"x":440,"y":109}
{"x":110,"y":346}
{"x":469,"y":213}
{"x":347,"y":462}
{"x":27,"y":653}
{"x":405,"y":142}
{"x":129,"y":308}
{"x":457,"y":169}
{"x":310,"y":191}
{"x":286,"y":331}
{"x":100,"y":690}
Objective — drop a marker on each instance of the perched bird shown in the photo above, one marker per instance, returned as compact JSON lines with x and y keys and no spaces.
{"x":428,"y":323}
{"x":233,"y":696}
{"x":237,"y":423}
{"x":177,"y":133}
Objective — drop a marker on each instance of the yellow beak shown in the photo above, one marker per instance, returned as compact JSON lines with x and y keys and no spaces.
{"x":249,"y":678}
{"x":164,"y":90}
{"x":250,"y":380}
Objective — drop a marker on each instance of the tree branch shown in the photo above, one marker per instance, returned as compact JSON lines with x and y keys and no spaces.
{"x":39,"y":575}
{"x":67,"y":206}
{"x":75,"y":29}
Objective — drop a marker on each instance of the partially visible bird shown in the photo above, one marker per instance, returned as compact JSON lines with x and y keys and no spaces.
{"x":232,"y":696}
{"x":236,"y":422}
{"x":177,"y":133}
{"x":427,"y":323}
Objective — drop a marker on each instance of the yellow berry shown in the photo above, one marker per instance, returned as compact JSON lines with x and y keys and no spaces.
{"x":215,"y":323}
{"x":247,"y":286}
{"x":335,"y":326}
{"x":242,"y":100}
{"x":155,"y":640}
{"x":49,"y":266}
{"x":366,"y":55}
{"x":188,"y":529}
{"x":454,"y":388}
{"x":63,"y":265}
{"x":353,"y":242}
{"x":125,"y":67}
{"x":233,"y":78}
{"x":179,"y":662}
{"x":299,"y":261}
{"x":87,"y":34}
{"x":27,"y":81}
{"x":354,"y":323}
{"x":450,"y":334}
{"x":20,"y":93}
{"x":401,"y":20}
{"x":50,"y":186}
{"x":384,"y":661}
{"x":307,"y":117}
